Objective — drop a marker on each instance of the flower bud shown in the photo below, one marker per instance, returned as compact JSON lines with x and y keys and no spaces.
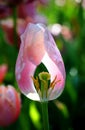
{"x":10,"y":105}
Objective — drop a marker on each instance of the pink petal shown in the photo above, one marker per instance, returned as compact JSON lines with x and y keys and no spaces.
{"x":24,"y":70}
{"x":53,"y":61}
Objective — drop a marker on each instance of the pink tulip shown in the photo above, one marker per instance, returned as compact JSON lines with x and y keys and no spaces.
{"x":38,"y":46}
{"x":3,"y":71}
{"x":10,"y":105}
{"x":27,"y":10}
{"x":7,"y":26}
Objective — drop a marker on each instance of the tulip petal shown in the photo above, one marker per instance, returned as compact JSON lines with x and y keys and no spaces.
{"x":24,"y":70}
{"x":34,"y":47}
{"x":53,"y":61}
{"x":53,"y":52}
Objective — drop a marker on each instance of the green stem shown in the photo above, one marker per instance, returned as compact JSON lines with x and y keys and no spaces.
{"x":15,"y":37}
{"x":15,"y":25}
{"x":45,"y":115}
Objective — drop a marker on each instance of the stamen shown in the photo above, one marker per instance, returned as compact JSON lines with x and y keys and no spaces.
{"x":36,"y":83}
{"x":54,"y":82}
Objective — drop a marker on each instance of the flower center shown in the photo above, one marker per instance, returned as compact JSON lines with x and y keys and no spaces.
{"x":42,"y":82}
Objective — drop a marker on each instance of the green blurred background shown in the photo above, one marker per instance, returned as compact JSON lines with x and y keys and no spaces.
{"x":68,"y":111}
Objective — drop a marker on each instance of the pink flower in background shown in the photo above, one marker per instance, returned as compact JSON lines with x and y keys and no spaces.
{"x":66,"y":33}
{"x":3,"y":71}
{"x":38,"y":46}
{"x":10,"y":105}
{"x":7,"y":26}
{"x":26,"y":13}
{"x":27,"y":10}
{"x":29,"y":13}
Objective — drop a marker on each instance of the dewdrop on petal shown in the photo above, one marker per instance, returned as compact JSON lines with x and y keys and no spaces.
{"x":38,"y":47}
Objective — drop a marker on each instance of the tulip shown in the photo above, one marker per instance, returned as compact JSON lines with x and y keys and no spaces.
{"x":39,"y":49}
{"x":27,"y":10}
{"x":10,"y":105}
{"x":8,"y":28}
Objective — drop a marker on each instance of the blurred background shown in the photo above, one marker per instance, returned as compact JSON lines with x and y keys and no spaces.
{"x":65,"y":19}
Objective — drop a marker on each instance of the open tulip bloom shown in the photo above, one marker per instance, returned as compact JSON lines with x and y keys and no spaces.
{"x":40,"y":71}
{"x":38,"y":49}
